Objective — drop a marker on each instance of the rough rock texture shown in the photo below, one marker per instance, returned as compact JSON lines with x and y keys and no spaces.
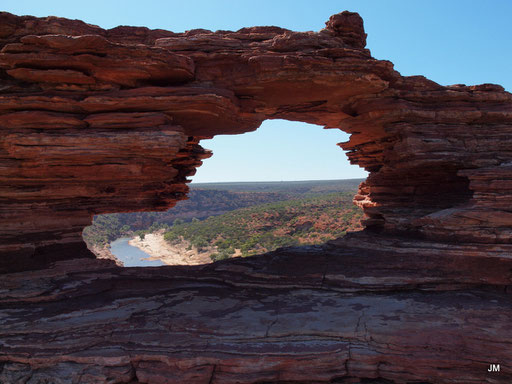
{"x":314,"y":315}
{"x":96,"y":121}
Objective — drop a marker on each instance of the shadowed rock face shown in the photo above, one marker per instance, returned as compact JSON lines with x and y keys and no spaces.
{"x":311,"y":315}
{"x":95,"y":121}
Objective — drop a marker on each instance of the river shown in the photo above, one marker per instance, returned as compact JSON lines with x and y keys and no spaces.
{"x":131,"y":256}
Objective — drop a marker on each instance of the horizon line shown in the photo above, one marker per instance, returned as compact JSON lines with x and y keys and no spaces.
{"x":272,"y":181}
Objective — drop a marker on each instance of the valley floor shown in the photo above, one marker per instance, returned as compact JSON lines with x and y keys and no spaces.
{"x":170,"y":254}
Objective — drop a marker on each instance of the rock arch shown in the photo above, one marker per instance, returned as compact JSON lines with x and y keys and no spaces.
{"x":97,"y":121}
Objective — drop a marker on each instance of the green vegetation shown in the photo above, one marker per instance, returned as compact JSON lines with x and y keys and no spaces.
{"x":200,"y":205}
{"x":106,"y":228}
{"x":288,"y":187}
{"x":243,"y":218}
{"x":313,"y":219}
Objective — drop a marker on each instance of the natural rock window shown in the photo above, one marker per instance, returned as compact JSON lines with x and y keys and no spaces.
{"x":288,"y":184}
{"x":98,"y":121}
{"x":90,"y":134}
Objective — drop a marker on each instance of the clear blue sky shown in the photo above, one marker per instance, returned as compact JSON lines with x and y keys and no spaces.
{"x":448,"y":41}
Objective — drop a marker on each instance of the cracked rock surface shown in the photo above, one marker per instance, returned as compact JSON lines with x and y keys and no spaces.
{"x":315,"y":315}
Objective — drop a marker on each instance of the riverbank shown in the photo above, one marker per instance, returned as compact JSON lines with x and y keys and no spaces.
{"x":132,"y":256}
{"x":103,"y":252}
{"x":180,"y":253}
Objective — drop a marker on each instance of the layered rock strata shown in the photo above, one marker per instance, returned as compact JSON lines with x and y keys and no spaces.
{"x":95,"y":121}
{"x":313,"y":315}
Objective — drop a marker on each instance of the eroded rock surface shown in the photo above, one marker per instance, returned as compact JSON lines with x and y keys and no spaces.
{"x":310,"y":315}
{"x":95,"y":121}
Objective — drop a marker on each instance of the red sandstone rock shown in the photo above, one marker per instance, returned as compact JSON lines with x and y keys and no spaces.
{"x":95,"y":121}
{"x":349,"y":26}
{"x":420,"y":141}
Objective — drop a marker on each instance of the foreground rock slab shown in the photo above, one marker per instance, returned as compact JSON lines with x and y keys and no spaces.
{"x":308,"y":315}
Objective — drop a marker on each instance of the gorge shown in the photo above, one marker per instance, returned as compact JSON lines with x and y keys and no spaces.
{"x":96,"y":121}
